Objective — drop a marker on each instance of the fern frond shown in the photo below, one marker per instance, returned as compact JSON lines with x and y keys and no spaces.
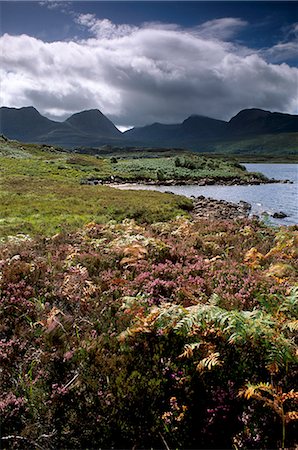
{"x":189,"y":350}
{"x":290,"y":303}
{"x":251,"y":390}
{"x":209,"y":362}
{"x":292,"y":325}
{"x":291,"y":416}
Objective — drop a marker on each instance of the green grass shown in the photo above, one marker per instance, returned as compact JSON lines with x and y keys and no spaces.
{"x":285,"y":144}
{"x":40,"y":193}
{"x":43,"y":189}
{"x":185,"y":167}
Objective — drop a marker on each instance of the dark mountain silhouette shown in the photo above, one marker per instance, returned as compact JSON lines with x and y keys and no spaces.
{"x":251,"y":130}
{"x":93,"y":129}
{"x":25,"y":124}
{"x":257,"y":121}
{"x":247,"y":123}
{"x":93,"y":122}
{"x":202,"y":127}
{"x":85,"y":128}
{"x":193,"y":128}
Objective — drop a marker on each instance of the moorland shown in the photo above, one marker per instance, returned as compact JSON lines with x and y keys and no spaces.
{"x":45,"y":189}
{"x":127,"y":323}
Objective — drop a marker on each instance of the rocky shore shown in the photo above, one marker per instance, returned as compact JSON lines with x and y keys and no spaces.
{"x":235,"y":181}
{"x":210,"y":208}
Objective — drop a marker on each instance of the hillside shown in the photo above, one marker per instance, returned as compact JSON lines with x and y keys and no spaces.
{"x":195,"y":319}
{"x":87,"y":127}
{"x":250,"y":131}
{"x":42,"y":187}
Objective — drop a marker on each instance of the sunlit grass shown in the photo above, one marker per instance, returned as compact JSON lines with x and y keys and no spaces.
{"x":43,"y":195}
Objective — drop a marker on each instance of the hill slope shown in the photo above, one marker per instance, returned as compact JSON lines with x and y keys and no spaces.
{"x":251,"y":130}
{"x":207,"y":133}
{"x":84,"y":128}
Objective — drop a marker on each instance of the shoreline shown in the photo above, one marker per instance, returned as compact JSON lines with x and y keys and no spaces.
{"x":211,"y":208}
{"x":120,"y":183}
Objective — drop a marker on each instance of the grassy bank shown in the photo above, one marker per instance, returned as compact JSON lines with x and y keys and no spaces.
{"x":42,"y":188}
{"x":41,"y":193}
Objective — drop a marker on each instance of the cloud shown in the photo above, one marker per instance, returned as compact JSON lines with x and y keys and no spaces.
{"x":104,"y":28}
{"x":285,"y":50}
{"x":223,"y":29}
{"x":140,"y":75}
{"x":62,"y":5}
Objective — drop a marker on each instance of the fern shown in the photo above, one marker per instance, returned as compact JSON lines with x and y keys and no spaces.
{"x":270,"y":333}
{"x":290,"y":304}
{"x":292,"y":325}
{"x":189,"y":349}
{"x":209,"y":362}
{"x":274,"y":398}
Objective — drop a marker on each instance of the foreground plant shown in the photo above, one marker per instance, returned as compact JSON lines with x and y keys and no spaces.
{"x":173,"y":314}
{"x":274,"y":398}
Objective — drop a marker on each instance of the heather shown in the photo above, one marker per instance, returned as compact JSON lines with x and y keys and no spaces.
{"x":176,"y":334}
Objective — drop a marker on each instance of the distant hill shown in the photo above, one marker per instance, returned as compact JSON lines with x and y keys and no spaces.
{"x":256,"y":121}
{"x":25,"y":124}
{"x":251,"y":130}
{"x":200,"y":131}
{"x":84,"y":128}
{"x":93,"y":122}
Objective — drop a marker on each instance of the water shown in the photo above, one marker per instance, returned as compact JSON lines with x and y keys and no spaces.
{"x":265,"y":199}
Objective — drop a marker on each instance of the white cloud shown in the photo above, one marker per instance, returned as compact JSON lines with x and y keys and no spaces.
{"x":104,"y":28}
{"x":224,"y":28}
{"x":286,"y":49}
{"x":140,"y":75}
{"x":62,"y":5}
{"x":282,"y":51}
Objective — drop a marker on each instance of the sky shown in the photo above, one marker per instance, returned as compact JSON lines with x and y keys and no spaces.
{"x":141,"y":62}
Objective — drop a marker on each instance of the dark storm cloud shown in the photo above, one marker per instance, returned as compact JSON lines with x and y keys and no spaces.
{"x":139,"y":75}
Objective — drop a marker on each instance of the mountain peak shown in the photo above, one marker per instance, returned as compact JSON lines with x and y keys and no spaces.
{"x":258,"y":121}
{"x":88,"y":112}
{"x":251,"y":114}
{"x":22,"y":110}
{"x":93,"y":121}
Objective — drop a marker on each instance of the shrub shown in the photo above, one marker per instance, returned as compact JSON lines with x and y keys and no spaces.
{"x":120,"y":335}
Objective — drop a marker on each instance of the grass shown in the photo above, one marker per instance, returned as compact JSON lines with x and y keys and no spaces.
{"x":191,"y":167}
{"x":285,"y":144}
{"x":40,"y":193}
{"x":43,"y":189}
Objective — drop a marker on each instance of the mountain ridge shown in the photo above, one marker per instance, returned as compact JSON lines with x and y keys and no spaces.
{"x":91,"y":128}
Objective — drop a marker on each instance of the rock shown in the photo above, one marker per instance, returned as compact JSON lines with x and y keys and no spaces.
{"x":245,"y":205}
{"x":219,"y":209}
{"x":279,"y":215}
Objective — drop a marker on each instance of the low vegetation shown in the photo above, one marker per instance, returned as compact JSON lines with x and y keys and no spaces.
{"x":187,"y":167}
{"x":41,"y":192}
{"x":42,"y":188}
{"x":274,"y":145}
{"x":125,"y":324}
{"x":170,"y":335}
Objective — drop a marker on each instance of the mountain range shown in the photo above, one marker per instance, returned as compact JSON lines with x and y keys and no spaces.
{"x":248,"y":129}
